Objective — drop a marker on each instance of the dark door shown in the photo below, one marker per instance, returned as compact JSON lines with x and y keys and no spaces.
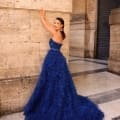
{"x":103,"y":31}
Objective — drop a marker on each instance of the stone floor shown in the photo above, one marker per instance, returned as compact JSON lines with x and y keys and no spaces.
{"x":92,"y":79}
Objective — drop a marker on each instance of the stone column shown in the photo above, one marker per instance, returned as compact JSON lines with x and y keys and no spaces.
{"x":91,"y":28}
{"x":114,"y":59}
{"x":77,"y":29}
{"x":23,"y":45}
{"x":83,"y":28}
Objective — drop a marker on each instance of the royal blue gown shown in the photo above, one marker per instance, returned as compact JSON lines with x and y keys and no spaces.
{"x":55,"y":96}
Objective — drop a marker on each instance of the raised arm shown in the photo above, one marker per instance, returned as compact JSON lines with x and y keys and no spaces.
{"x":46,"y":23}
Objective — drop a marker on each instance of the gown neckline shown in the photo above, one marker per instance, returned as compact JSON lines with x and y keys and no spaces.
{"x":56,"y":42}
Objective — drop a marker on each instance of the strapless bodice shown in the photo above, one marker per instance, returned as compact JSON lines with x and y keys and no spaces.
{"x":54,"y":45}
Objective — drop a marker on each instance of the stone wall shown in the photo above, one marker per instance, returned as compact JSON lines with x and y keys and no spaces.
{"x":23,"y":46}
{"x":114,"y":59}
{"x":77,"y":29}
{"x":91,"y":28}
{"x":83,"y":28}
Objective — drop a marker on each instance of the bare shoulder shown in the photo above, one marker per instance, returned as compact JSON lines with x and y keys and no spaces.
{"x":57,"y":38}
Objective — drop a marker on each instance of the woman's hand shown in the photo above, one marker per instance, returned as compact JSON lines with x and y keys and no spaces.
{"x":46,"y":23}
{"x":42,"y":13}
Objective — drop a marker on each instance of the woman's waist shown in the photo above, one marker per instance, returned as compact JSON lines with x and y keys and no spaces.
{"x":55,"y":49}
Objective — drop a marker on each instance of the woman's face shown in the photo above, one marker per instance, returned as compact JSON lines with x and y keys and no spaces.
{"x":57,"y":24}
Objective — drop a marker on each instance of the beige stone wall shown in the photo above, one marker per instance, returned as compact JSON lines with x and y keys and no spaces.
{"x":114,"y":59}
{"x":91,"y":28}
{"x":23,"y":46}
{"x":83,"y":28}
{"x":58,"y":5}
{"x":77,"y":29}
{"x":78,"y":7}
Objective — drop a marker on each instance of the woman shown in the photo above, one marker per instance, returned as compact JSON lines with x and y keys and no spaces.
{"x":55,"y":96}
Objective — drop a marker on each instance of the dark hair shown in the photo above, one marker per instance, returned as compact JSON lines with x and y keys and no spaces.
{"x":62,"y":22}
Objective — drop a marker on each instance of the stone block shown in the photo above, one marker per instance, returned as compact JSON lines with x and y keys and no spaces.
{"x":89,"y":40}
{"x":91,"y":11}
{"x":7,"y":3}
{"x":77,"y":45}
{"x":15,"y":93}
{"x":58,"y":5}
{"x":114,"y":59}
{"x":78,"y":6}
